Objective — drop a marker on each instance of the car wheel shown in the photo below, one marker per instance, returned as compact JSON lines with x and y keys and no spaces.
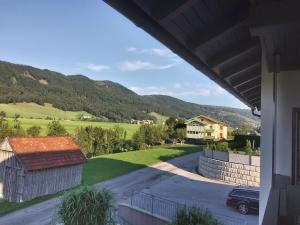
{"x":243,"y":208}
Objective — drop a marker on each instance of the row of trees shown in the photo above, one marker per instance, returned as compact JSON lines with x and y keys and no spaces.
{"x":14,"y":128}
{"x":97,"y":140}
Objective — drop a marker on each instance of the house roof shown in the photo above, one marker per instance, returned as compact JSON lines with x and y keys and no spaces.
{"x":196,"y":118}
{"x":37,"y":153}
{"x":212,"y":35}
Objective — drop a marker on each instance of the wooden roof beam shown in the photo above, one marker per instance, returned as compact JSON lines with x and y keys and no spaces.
{"x":256,"y":99}
{"x":245,"y":77}
{"x":203,"y":38}
{"x":233,"y":53}
{"x":169,"y":9}
{"x":245,"y":80}
{"x":241,"y":68}
{"x":250,"y":85}
{"x":252,"y":92}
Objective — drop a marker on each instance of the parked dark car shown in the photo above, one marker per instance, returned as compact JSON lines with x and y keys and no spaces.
{"x":244,"y":199}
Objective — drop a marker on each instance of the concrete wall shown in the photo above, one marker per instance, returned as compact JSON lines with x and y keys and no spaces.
{"x":135,"y":216}
{"x":230,"y":172}
{"x":233,"y":157}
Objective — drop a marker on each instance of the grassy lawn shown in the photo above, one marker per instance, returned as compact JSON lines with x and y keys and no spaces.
{"x":72,"y":125}
{"x":105,"y":167}
{"x":108,"y":166}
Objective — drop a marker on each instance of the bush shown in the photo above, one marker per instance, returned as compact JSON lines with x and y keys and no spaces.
{"x":56,"y":129}
{"x":248,"y":148}
{"x":98,"y":141}
{"x":194,"y":216}
{"x":86,"y":207}
{"x":223,"y":147}
{"x":34,"y":131}
{"x":220,"y":146}
{"x":149,"y":135}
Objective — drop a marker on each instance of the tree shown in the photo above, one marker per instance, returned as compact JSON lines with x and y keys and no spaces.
{"x":248,"y":148}
{"x":181,"y":134}
{"x":16,"y":121}
{"x":3,"y":120}
{"x":56,"y":129}
{"x":149,"y":135}
{"x":34,"y":131}
{"x":173,"y":124}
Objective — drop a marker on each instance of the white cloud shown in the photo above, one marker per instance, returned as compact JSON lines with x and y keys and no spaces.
{"x":151,"y":90}
{"x":170,"y":58}
{"x":180,"y":91}
{"x":131,"y":49}
{"x":144,"y":65}
{"x":96,"y":67}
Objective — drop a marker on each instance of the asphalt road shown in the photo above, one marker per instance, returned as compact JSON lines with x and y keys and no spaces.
{"x":174,"y":180}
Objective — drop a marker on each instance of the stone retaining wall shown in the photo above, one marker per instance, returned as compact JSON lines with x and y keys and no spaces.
{"x":236,"y":173}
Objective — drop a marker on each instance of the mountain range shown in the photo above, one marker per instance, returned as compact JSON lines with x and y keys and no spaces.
{"x":104,"y":99}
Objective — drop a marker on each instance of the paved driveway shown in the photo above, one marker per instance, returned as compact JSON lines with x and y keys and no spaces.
{"x":174,"y":180}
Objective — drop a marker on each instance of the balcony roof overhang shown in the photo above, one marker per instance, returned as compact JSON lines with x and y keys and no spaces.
{"x":212,"y":35}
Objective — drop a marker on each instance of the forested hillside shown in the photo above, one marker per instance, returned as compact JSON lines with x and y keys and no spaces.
{"x":19,"y":83}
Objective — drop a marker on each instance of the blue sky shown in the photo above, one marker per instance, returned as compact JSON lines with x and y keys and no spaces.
{"x":90,"y":38}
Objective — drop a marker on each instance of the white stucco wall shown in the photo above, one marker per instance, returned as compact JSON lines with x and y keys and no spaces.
{"x":288,"y":97}
{"x":266,"y":138}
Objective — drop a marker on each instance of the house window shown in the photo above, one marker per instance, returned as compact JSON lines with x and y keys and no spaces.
{"x":221,"y":135}
{"x":210,"y":126}
{"x":208,"y":133}
{"x":221,"y":127}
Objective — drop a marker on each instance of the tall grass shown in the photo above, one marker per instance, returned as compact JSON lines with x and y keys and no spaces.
{"x":195,"y":216}
{"x":86,"y":207}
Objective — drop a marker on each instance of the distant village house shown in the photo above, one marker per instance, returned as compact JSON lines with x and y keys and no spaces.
{"x":35,"y":166}
{"x":141,"y":122}
{"x":203,"y":127}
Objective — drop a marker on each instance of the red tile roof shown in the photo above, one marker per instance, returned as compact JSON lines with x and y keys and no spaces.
{"x":38,"y":153}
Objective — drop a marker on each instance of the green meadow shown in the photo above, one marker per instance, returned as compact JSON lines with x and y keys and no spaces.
{"x":33,"y":110}
{"x":32,"y":114}
{"x":72,"y":125}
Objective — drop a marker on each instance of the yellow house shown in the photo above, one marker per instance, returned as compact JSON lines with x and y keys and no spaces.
{"x":204,"y":127}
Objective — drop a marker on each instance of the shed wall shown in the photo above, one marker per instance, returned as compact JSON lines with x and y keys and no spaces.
{"x":49,"y":181}
{"x":9,"y":160}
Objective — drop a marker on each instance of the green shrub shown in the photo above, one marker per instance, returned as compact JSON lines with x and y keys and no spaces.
{"x":248,"y":148}
{"x":223,"y":147}
{"x":86,"y":207}
{"x":194,"y":216}
{"x":54,"y":128}
{"x":34,"y":131}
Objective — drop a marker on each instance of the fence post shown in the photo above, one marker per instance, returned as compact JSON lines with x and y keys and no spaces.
{"x":152,"y":199}
{"x":131,"y":197}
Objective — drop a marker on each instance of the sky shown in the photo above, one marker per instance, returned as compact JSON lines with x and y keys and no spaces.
{"x":91,"y":38}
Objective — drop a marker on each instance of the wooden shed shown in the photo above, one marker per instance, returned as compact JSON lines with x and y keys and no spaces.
{"x":37,"y":166}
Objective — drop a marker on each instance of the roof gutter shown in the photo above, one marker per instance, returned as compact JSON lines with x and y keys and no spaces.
{"x":255,"y":114}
